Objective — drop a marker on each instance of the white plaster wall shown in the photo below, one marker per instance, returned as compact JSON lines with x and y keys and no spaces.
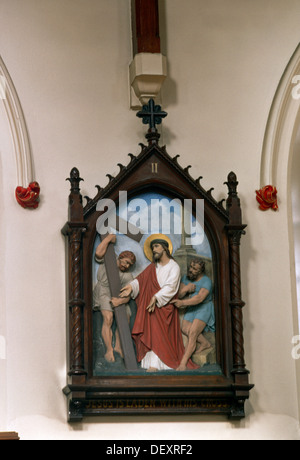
{"x":69,"y":62}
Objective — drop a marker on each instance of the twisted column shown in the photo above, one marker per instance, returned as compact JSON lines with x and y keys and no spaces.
{"x":235,"y":229}
{"x":75,"y":229}
{"x":76,"y":303}
{"x":236,"y":301}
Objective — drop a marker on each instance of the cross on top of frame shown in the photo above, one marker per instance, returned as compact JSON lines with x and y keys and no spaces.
{"x":151,"y":115}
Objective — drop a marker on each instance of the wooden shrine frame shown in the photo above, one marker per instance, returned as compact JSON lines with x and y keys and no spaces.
{"x":224,"y":393}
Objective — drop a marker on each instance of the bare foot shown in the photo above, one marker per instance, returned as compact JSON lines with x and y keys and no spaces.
{"x":181,"y":367}
{"x":109,"y":356}
{"x":152,"y":369}
{"x":203,"y":347}
{"x":120,"y":351}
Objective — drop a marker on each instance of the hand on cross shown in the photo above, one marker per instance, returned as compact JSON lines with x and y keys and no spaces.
{"x":117,"y":302}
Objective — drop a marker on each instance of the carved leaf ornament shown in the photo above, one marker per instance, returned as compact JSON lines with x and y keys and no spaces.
{"x":28,"y":197}
{"x":267,"y":198}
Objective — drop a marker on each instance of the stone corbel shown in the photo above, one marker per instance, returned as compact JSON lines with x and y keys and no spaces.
{"x":147,"y":72}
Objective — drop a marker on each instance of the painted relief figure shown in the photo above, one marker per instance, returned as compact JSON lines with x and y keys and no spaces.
{"x":167,"y":285}
{"x":102,"y":295}
{"x":196,"y":298}
{"x":156,"y":331}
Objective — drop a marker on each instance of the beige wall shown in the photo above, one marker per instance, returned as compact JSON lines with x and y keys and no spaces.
{"x":69,"y":62}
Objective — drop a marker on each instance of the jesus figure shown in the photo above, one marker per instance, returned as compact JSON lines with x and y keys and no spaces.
{"x":156,"y":331}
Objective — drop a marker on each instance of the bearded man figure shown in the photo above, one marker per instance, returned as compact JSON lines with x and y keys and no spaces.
{"x":196,"y":296}
{"x":103,"y":300}
{"x":156,"y":331}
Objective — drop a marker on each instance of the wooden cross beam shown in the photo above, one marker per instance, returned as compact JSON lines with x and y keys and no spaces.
{"x":113,"y":276}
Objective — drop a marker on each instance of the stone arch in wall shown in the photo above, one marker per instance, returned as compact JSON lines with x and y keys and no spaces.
{"x":280,"y":167}
{"x":27,"y":189}
{"x":16,"y":172}
{"x":18,"y":128}
{"x":279,"y":157}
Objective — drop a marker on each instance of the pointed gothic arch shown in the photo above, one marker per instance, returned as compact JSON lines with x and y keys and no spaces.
{"x":27,"y":189}
{"x":280,"y":137}
{"x":282,"y":125}
{"x":278,"y":160}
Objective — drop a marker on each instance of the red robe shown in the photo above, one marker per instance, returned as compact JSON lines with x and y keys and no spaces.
{"x":158,"y":331}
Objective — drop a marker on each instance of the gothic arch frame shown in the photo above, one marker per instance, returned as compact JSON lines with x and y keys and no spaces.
{"x":221,"y":393}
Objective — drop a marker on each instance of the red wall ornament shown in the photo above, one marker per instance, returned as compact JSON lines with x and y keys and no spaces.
{"x":28,"y":197}
{"x":267,"y":198}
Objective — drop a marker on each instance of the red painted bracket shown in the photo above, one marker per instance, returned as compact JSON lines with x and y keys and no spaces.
{"x":28,"y":197}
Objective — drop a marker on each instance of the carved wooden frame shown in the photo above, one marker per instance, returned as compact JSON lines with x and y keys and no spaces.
{"x":89,"y":395}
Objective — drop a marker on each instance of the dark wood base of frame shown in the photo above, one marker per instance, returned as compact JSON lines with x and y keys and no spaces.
{"x":227,"y":401}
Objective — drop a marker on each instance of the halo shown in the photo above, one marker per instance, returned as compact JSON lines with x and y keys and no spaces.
{"x":155,"y":236}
